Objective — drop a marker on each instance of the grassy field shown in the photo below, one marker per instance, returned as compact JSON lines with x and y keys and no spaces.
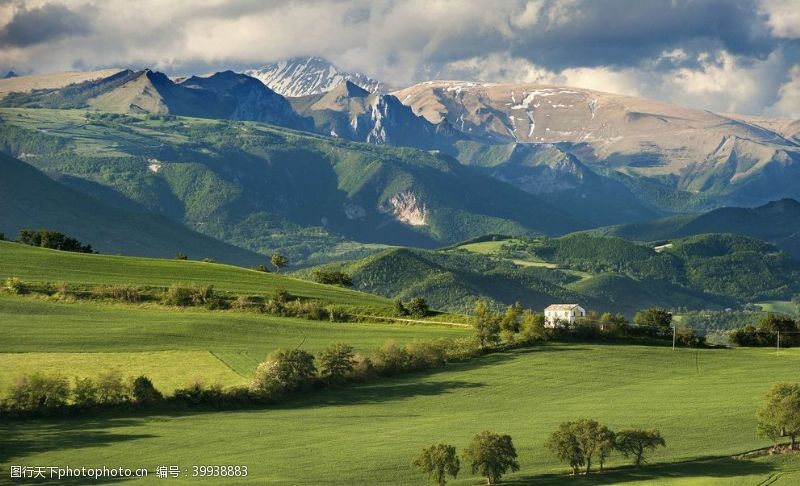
{"x":42,"y":265}
{"x":703,"y":402}
{"x":86,"y":338}
{"x":780,"y":306}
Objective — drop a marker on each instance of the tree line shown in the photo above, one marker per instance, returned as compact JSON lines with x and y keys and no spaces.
{"x":578,"y":443}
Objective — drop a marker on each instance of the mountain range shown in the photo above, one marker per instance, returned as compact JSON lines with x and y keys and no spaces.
{"x":346,"y":164}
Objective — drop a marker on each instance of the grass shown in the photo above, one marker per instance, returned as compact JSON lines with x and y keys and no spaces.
{"x":703,"y":402}
{"x":94,"y":337}
{"x":167,"y":369}
{"x":42,"y":265}
{"x":779,"y":306}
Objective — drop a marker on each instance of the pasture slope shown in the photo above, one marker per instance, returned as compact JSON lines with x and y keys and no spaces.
{"x":703,"y":402}
{"x":85,"y":338}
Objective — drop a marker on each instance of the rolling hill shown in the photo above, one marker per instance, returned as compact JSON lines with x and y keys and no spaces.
{"x":710,"y":271}
{"x":30,"y":199}
{"x":777,"y":222}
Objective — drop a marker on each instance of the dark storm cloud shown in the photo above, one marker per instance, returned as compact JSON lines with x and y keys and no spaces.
{"x":37,"y":25}
{"x":625,"y":32}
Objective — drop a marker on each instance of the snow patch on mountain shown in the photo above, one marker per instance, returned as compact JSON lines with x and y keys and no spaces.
{"x":310,"y":75}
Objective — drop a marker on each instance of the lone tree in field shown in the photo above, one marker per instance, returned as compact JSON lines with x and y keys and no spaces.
{"x":779,"y":416}
{"x":487,"y":324}
{"x":336,"y":362}
{"x":279,"y":261}
{"x":636,"y":443}
{"x":577,"y":443}
{"x":491,"y":455}
{"x":437,"y":462}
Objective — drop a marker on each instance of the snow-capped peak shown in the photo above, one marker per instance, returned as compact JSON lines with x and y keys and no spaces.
{"x":303,"y":76}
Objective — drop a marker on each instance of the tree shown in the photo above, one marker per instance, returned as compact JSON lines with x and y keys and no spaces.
{"x":84,"y":393}
{"x":261,"y":268}
{"x":487,"y":324}
{"x":511,"y":319}
{"x":333,"y":278}
{"x":336,"y":362}
{"x":418,"y":307}
{"x":144,"y":392}
{"x":279,"y":261}
{"x":532,"y":326}
{"x":565,"y":445}
{"x":52,"y":239}
{"x":592,"y":437}
{"x":491,"y":455}
{"x":779,"y":415}
{"x":400,"y":309}
{"x":438,"y":461}
{"x":181,"y":256}
{"x":655,"y":317}
{"x":111,"y":389}
{"x":283,"y":371}
{"x":38,"y":391}
{"x":636,"y":443}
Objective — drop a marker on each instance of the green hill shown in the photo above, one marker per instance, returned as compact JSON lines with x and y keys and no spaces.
{"x":777,"y":222}
{"x":42,"y":265}
{"x":265,"y":188}
{"x":703,"y":272}
{"x":30,"y":199}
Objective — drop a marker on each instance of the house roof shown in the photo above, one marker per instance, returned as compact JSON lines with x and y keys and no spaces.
{"x":561,"y":307}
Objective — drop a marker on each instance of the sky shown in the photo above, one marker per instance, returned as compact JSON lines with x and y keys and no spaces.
{"x":721,"y":55}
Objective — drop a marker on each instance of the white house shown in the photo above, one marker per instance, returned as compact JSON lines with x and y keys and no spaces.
{"x":559,"y":314}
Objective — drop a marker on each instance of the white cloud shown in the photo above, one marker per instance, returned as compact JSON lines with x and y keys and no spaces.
{"x":788,"y":103}
{"x":783,"y":17}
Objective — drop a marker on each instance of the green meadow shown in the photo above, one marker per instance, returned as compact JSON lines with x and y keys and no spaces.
{"x":703,"y":402}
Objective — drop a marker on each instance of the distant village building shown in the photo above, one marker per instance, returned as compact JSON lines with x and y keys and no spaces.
{"x":558,"y":315}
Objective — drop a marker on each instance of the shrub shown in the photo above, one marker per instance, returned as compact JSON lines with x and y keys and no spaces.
{"x":336,"y":362}
{"x":122,"y":293}
{"x":362,"y":368}
{"x":15,"y":286}
{"x":39,"y":392}
{"x":85,"y":392}
{"x":424,"y":355}
{"x":390,"y":358}
{"x":309,"y":309}
{"x":261,"y":268}
{"x":400,"y":309}
{"x":200,"y":295}
{"x":418,"y":307}
{"x":464,"y":348}
{"x":181,"y":256}
{"x":283,"y":371}
{"x":208,"y":260}
{"x":144,"y":392}
{"x":333,"y":278}
{"x":111,"y":389}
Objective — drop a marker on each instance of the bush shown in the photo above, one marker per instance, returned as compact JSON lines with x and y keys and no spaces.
{"x":15,"y":286}
{"x":85,"y":392}
{"x":333,"y":278}
{"x":200,"y":295}
{"x":181,"y":256}
{"x":400,"y":309}
{"x":261,"y":268}
{"x":144,"y":392}
{"x":309,"y":309}
{"x":390,"y":359}
{"x":38,"y":392}
{"x":423,"y":355}
{"x":122,"y":293}
{"x":283,"y":371}
{"x":418,"y":307}
{"x":111,"y":389}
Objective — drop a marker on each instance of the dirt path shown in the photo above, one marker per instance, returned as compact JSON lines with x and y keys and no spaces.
{"x":416,"y":321}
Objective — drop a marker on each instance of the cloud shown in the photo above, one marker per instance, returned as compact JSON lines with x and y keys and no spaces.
{"x":37,"y":25}
{"x":788,"y":103}
{"x":687,"y":51}
{"x":783,"y":17}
